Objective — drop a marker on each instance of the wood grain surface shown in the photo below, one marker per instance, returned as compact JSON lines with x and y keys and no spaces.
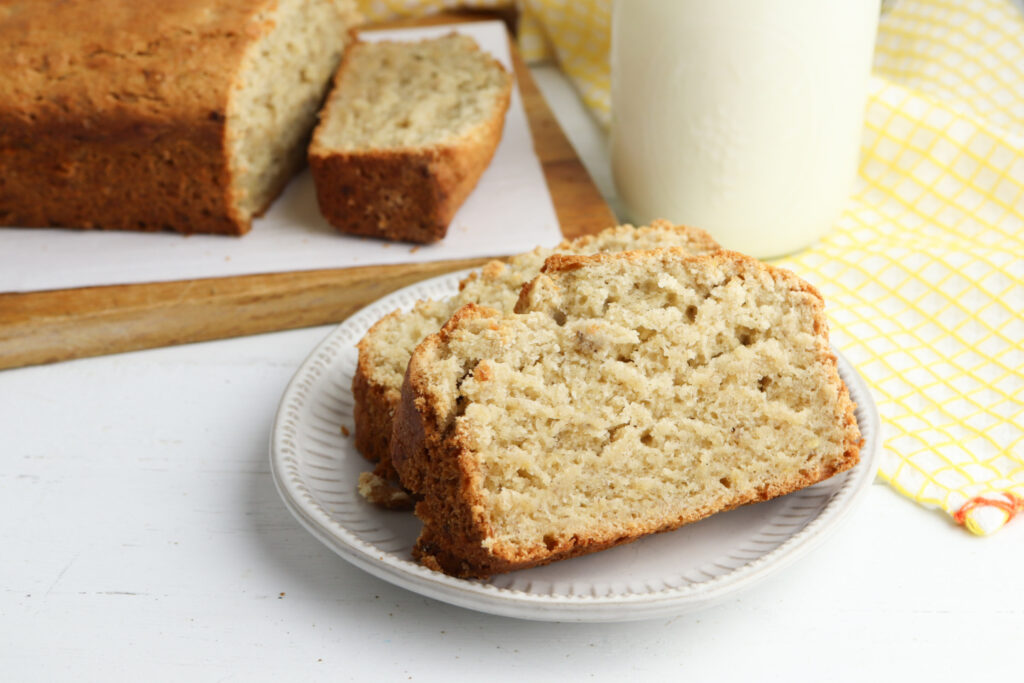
{"x":44,"y":327}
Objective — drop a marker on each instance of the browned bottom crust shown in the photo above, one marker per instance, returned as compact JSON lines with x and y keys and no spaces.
{"x":166,"y":185}
{"x":403,"y":195}
{"x":393,"y":198}
{"x":112,"y":185}
{"x":472,"y":560}
{"x":373,"y":412}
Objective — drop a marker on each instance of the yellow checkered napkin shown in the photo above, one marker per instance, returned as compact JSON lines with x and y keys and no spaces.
{"x":924,"y":274}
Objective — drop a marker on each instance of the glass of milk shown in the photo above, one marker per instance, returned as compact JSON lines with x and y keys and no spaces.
{"x":742,"y":117}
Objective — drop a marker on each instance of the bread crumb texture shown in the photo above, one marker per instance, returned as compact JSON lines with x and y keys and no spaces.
{"x":411,"y":94}
{"x":385,"y":350}
{"x":634,"y":393}
{"x":278,"y":92}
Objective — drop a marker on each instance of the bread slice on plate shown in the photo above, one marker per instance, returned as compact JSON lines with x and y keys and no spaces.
{"x":632,"y":393}
{"x":385,"y":350}
{"x":406,"y":133}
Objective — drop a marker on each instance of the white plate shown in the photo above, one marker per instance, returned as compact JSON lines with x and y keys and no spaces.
{"x":316,"y":469}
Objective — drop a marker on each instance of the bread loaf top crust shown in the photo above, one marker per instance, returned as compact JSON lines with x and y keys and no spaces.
{"x":122,"y":67}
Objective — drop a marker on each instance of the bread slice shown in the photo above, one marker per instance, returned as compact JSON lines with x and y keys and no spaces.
{"x":406,"y":134}
{"x":632,"y":394}
{"x":385,"y":350}
{"x":152,"y":115}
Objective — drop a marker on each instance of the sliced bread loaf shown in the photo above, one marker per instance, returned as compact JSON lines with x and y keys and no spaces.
{"x":633,"y":393}
{"x":385,"y":350}
{"x":152,"y":115}
{"x":406,"y":133}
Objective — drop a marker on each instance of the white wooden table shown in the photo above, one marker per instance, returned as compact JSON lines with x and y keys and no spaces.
{"x":141,"y":538}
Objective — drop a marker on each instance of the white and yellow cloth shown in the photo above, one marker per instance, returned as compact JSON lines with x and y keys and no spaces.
{"x":924,"y":274}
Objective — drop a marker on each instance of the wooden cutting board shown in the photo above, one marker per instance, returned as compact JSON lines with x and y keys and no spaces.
{"x":50,"y":326}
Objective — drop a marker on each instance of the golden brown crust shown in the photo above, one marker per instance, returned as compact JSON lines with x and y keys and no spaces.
{"x":567,"y":262}
{"x":402,"y":194}
{"x":116,"y":119}
{"x":428,"y":461}
{"x":457,"y":549}
{"x":373,"y":411}
{"x":697,"y":240}
{"x":374,"y":403}
{"x":435,"y":462}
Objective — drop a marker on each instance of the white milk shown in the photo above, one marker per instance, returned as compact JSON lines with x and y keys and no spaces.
{"x":742,"y":117}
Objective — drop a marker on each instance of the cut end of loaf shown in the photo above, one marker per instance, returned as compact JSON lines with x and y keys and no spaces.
{"x":281,"y":86}
{"x":635,"y":393}
{"x":411,"y":95}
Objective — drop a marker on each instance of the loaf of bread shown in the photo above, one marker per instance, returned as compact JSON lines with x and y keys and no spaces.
{"x":408,"y":129}
{"x":151,"y":115}
{"x":385,"y":350}
{"x":632,"y":393}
